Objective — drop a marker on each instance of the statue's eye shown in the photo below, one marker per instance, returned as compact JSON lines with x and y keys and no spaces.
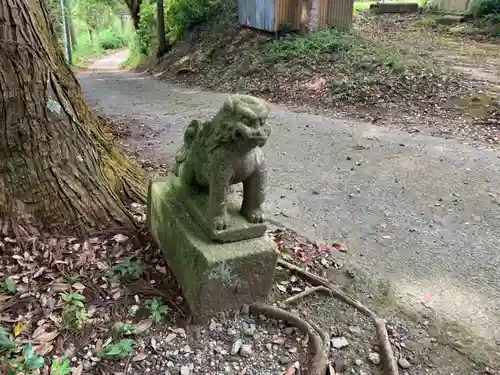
{"x":246,"y":121}
{"x":238,"y":134}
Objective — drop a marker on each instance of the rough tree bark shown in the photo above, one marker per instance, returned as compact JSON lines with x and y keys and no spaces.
{"x":59,"y":170}
{"x":134,"y":6}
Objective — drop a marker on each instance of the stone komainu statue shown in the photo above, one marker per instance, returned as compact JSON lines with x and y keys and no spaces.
{"x":225,"y":151}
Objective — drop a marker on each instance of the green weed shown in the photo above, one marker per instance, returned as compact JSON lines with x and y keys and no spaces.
{"x":18,"y":364}
{"x":484,"y":8}
{"x":121,"y":349}
{"x":124,"y":329}
{"x":10,"y":285}
{"x":293,"y":48}
{"x":6,"y":343}
{"x":157,"y":309}
{"x":60,"y":367}
{"x":128,"y":268}
{"x":110,"y":39}
{"x":29,"y":361}
{"x":75,"y":315}
{"x":427,"y":22}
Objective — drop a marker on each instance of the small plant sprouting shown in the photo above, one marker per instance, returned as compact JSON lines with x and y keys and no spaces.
{"x":74,"y":314}
{"x":157,"y":309}
{"x":6,"y":343}
{"x":10,"y":285}
{"x":121,"y":349}
{"x":62,"y":367}
{"x":127,"y":268}
{"x":29,"y":361}
{"x":125,"y":329}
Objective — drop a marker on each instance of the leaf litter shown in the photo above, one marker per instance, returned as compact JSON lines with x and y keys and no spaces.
{"x":58,"y":298}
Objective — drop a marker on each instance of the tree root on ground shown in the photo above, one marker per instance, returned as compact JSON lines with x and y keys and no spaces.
{"x":317,"y":344}
{"x":306,"y":292}
{"x":386,"y":353}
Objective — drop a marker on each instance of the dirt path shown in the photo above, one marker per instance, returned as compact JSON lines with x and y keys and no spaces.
{"x":110,"y":62}
{"x":419,"y":211}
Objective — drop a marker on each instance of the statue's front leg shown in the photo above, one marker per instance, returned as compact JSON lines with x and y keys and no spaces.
{"x":254,"y":194}
{"x":217,"y":202}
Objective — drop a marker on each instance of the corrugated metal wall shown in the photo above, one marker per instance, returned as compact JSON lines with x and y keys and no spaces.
{"x":335,"y":13}
{"x":268,"y":15}
{"x":288,"y":11}
{"x":453,"y":5}
{"x":258,"y":14}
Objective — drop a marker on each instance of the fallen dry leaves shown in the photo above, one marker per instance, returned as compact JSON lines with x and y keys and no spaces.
{"x":47,"y":274}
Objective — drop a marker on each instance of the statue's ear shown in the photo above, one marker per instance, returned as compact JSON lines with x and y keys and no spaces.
{"x":229,"y":106}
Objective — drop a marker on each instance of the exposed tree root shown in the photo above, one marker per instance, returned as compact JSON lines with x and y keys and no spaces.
{"x":305,"y":293}
{"x":317,"y":344}
{"x":386,"y":353}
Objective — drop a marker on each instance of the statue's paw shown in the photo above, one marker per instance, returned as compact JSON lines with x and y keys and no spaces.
{"x":254,"y":216}
{"x":219,"y":223}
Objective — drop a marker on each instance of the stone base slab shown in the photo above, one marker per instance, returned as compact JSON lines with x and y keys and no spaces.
{"x":238,"y":227}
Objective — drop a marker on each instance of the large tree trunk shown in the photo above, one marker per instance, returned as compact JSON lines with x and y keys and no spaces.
{"x":58,"y":169}
{"x":134,"y":6}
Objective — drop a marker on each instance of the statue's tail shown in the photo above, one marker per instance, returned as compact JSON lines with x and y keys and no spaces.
{"x":189,"y":136}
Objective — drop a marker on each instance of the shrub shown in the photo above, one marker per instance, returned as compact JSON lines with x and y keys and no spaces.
{"x":110,"y":39}
{"x":484,"y":8}
{"x":292,"y":47}
{"x":180,"y":18}
{"x":147,"y":27}
{"x":182,"y":15}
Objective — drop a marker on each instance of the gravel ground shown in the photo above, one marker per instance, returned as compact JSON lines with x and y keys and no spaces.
{"x":228,"y":345}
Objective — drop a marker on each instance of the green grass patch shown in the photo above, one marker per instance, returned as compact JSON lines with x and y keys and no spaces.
{"x":293,"y":48}
{"x":362,"y":5}
{"x":135,"y":57}
{"x":85,"y":54}
{"x":352,"y":65}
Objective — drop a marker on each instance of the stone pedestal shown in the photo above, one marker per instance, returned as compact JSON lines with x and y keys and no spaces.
{"x":214,"y":276}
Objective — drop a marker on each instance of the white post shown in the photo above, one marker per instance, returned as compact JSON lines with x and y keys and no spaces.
{"x":67,"y":42}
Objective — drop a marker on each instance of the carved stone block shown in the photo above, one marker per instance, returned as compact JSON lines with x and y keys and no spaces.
{"x":213,"y":276}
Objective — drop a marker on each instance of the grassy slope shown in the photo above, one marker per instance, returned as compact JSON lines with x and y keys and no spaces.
{"x":329,"y":68}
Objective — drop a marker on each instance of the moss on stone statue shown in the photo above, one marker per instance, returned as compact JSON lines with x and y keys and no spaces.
{"x":213,"y":276}
{"x":219,"y":153}
{"x":225,"y":274}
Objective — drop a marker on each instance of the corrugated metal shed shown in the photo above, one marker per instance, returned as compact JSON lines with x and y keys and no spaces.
{"x":453,"y":5}
{"x":268,"y":15}
{"x":258,"y":14}
{"x":288,"y":11}
{"x":336,"y":13}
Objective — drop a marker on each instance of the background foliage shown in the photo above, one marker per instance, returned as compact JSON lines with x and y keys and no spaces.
{"x":95,"y":26}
